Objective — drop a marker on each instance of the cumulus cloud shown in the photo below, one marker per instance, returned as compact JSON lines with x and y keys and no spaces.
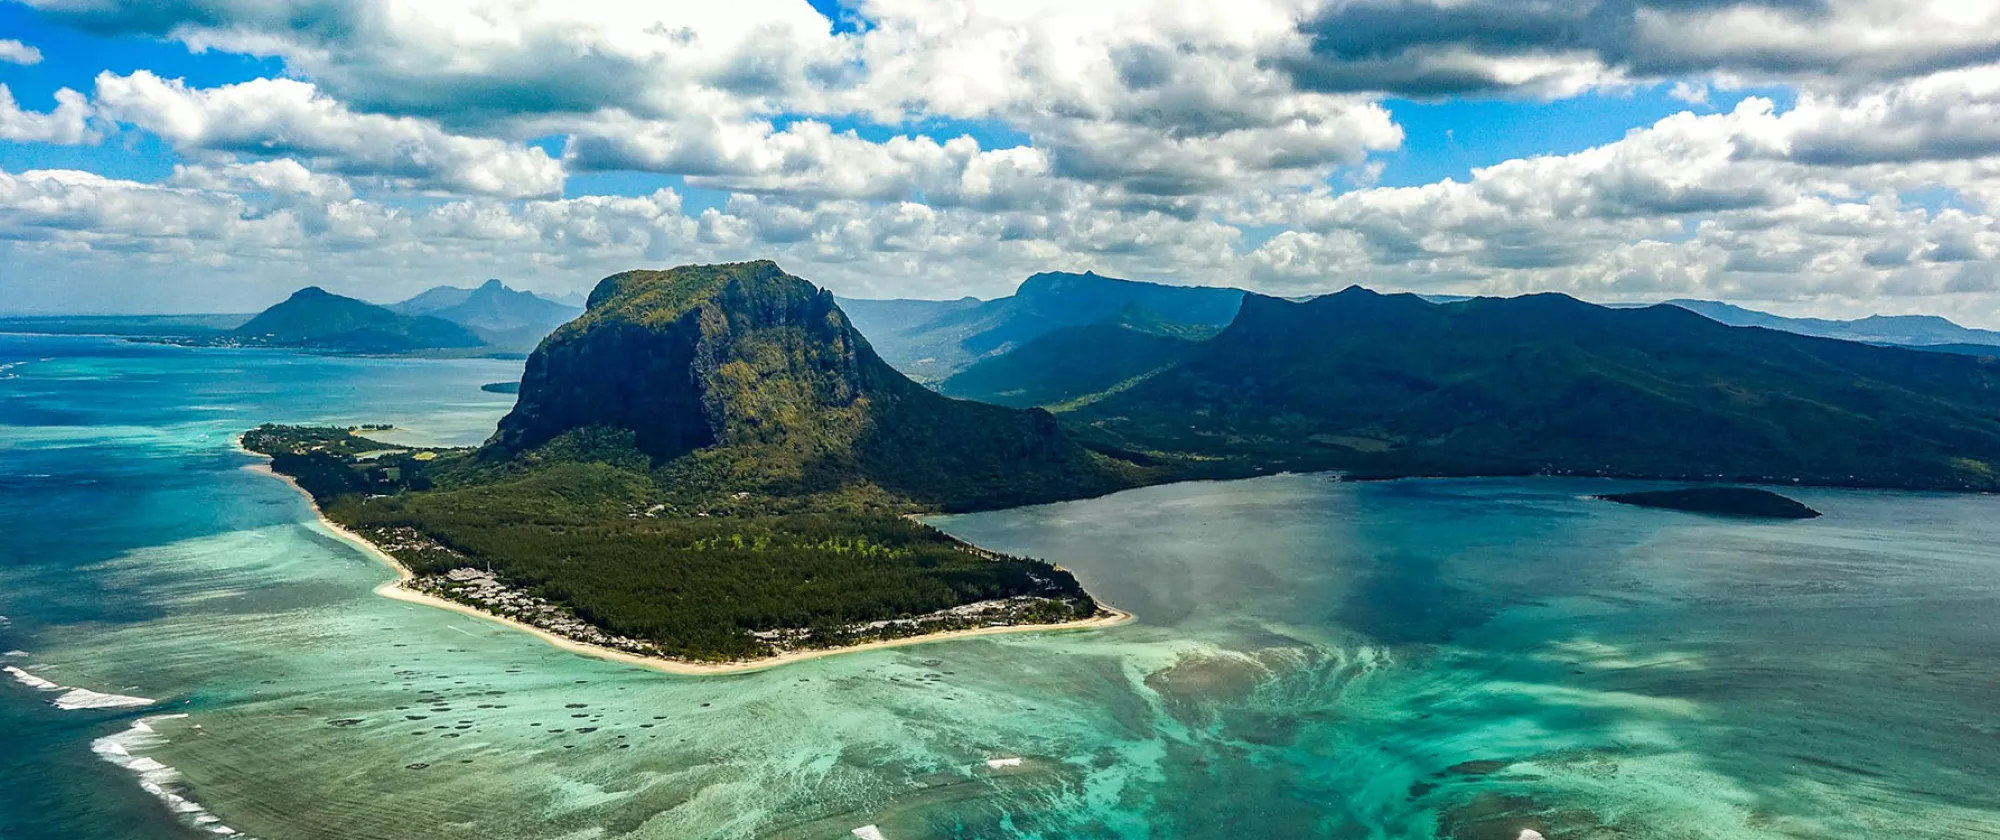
{"x":15,"y":52}
{"x":1745,"y":204}
{"x":1947,"y":116}
{"x":940,"y":147}
{"x":1430,"y":48}
{"x":1145,"y":98}
{"x":287,"y":117}
{"x":466,"y":61}
{"x":808,"y":159}
{"x":68,"y":124}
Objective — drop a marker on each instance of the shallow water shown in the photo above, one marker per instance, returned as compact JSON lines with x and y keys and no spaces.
{"x":1312,"y":658}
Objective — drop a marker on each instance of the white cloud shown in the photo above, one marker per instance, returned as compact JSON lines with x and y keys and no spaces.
{"x":1446,"y":47}
{"x":953,"y":146}
{"x":809,"y":160}
{"x":1692,"y":93}
{"x":15,"y":52}
{"x":286,"y":117}
{"x":68,"y":124}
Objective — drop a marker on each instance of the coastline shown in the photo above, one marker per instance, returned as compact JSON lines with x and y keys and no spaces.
{"x":395,"y":590}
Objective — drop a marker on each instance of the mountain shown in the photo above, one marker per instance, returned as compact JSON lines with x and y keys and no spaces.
{"x":314,"y":318}
{"x":930,"y":341}
{"x":1072,"y":363}
{"x":1396,"y":384}
{"x":1908,"y":330}
{"x":890,"y":324}
{"x":503,"y":317}
{"x":758,"y":380}
{"x":711,"y":463}
{"x":431,"y":301}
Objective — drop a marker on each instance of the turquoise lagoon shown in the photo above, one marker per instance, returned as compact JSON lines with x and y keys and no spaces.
{"x":1312,"y":658}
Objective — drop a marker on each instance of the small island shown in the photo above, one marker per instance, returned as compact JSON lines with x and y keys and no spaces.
{"x":1729,"y":501}
{"x":501,"y":387}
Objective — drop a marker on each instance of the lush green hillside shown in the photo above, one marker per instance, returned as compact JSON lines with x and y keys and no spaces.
{"x":708,"y":454}
{"x":1396,"y":384}
{"x":1072,"y":363}
{"x":930,"y":343}
{"x":313,"y":318}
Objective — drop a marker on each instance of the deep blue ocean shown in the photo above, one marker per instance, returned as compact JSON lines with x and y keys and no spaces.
{"x":1312,"y":658}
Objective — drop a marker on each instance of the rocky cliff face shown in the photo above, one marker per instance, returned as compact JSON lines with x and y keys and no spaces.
{"x":762,"y":371}
{"x":691,"y":358}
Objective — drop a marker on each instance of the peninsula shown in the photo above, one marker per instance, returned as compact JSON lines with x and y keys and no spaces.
{"x":709,"y":470}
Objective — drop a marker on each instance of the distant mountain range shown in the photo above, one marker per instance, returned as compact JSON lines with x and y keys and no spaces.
{"x":1073,"y":363}
{"x":488,"y":319}
{"x":1928,"y":331}
{"x":931,"y":340}
{"x":502,"y":317}
{"x":1399,"y":385}
{"x":316,"y":319}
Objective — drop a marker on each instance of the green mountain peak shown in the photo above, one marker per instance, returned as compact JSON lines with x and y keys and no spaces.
{"x":743,"y":378}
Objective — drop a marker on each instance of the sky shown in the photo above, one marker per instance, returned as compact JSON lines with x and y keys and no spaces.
{"x":1810,"y":157}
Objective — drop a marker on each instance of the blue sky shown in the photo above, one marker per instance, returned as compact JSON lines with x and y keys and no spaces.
{"x":1835,"y":164}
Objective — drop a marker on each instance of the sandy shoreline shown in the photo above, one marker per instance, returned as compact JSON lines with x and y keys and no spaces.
{"x":394,"y":589}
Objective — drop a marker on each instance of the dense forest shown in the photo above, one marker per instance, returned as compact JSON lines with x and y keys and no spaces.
{"x":602,"y":540}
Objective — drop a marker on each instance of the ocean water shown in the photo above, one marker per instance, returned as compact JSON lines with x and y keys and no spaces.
{"x":1412,"y":659}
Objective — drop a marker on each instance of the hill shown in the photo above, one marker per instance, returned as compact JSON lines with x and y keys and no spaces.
{"x":932,"y":342}
{"x":1073,"y":363}
{"x":712,"y":463}
{"x":1906,"y":330}
{"x":1398,"y":385}
{"x":313,"y":318}
{"x":503,"y":317}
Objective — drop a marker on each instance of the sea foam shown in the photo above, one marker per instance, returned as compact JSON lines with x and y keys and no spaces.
{"x":83,"y":698}
{"x":156,"y":778}
{"x":868,"y":832}
{"x":30,"y":680}
{"x":77,"y":698}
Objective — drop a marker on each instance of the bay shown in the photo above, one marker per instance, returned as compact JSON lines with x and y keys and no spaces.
{"x":1312,"y":658}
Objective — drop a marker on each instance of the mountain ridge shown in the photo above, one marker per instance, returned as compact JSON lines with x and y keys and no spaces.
{"x":1549,"y":383}
{"x":1905,"y":330}
{"x":931,"y":344}
{"x":314,"y":318}
{"x":502,"y":316}
{"x":1069,"y":363}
